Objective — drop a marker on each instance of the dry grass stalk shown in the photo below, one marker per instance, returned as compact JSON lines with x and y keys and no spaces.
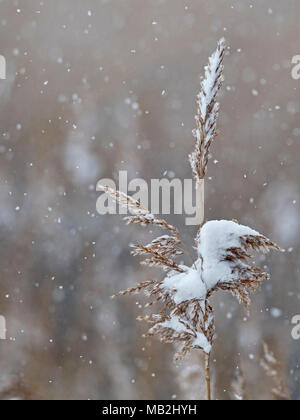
{"x":239,"y":386}
{"x":224,"y":250}
{"x":273,"y":369}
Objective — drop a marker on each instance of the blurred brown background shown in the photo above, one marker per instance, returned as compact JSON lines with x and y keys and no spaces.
{"x":97,"y":86}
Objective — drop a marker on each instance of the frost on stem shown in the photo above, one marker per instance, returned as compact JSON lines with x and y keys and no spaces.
{"x":208,"y":110}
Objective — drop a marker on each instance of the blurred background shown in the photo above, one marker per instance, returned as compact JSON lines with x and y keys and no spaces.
{"x":98,"y":86}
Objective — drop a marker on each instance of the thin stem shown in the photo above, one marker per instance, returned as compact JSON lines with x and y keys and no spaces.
{"x":207,"y":356}
{"x":207,"y":377}
{"x":200,"y":188}
{"x":200,"y":191}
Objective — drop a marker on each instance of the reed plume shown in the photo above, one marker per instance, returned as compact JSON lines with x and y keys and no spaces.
{"x":224,"y":249}
{"x":208,"y":111}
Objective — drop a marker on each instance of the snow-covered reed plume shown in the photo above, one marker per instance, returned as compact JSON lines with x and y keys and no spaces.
{"x":224,"y":250}
{"x":208,"y":110}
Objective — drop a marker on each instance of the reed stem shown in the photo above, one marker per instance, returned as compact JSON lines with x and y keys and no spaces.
{"x":200,"y":188}
{"x":207,"y":377}
{"x":200,"y":191}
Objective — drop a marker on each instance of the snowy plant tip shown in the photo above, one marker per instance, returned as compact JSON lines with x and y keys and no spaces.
{"x":207,"y":112}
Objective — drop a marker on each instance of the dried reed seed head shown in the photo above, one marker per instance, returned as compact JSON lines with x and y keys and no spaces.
{"x":150,"y":219}
{"x":241,"y":289}
{"x":250,"y":277}
{"x":160,"y":250}
{"x":141,"y":215}
{"x":164,"y":246}
{"x":188,"y":324}
{"x":207,"y":112}
{"x":135,"y":290}
{"x":227,"y":247}
{"x":165,"y":263}
{"x":124,"y":200}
